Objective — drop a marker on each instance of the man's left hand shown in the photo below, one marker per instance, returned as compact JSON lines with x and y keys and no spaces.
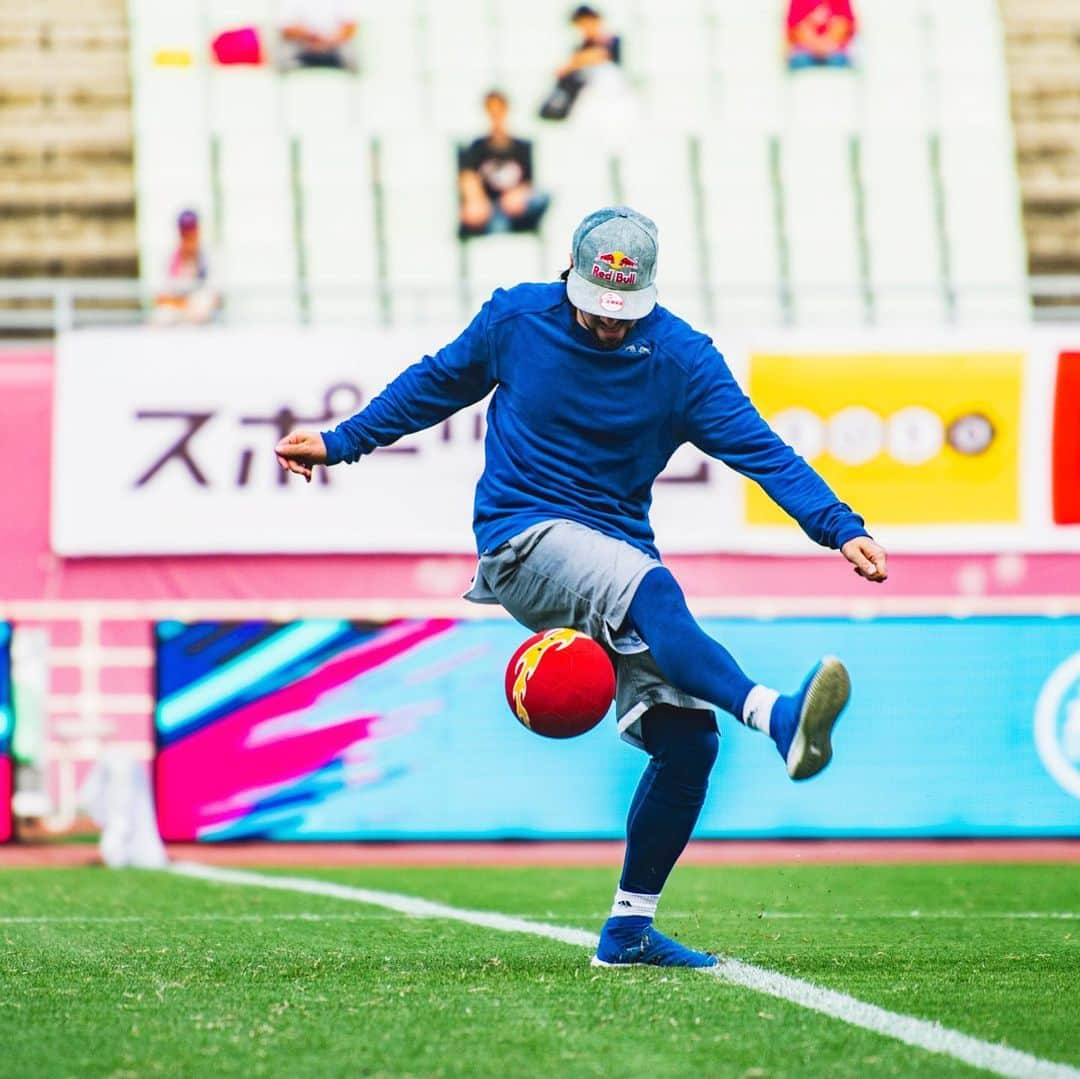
{"x":300,"y":452}
{"x":868,"y":558}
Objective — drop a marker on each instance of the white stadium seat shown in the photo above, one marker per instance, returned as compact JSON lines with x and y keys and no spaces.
{"x":320,"y":100}
{"x":493,"y":262}
{"x":906,"y":259}
{"x":820,"y":219}
{"x":579,"y":176}
{"x":742,"y":246}
{"x":659,"y":179}
{"x":418,"y":175}
{"x":257,"y":225}
{"x":338,"y":233}
{"x":984,"y":229}
{"x":245,"y":99}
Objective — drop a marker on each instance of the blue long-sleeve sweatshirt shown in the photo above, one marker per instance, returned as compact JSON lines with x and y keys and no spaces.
{"x":580,"y":432}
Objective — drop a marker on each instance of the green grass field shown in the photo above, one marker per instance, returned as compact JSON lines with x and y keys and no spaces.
{"x":140,"y":973}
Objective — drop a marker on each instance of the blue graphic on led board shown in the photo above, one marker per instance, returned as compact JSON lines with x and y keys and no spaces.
{"x":939,"y":739}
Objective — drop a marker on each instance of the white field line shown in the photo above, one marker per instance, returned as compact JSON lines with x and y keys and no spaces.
{"x":122,"y":919}
{"x":904,"y":1028}
{"x":311,"y":916}
{"x":928,"y":915}
{"x":403,"y":904}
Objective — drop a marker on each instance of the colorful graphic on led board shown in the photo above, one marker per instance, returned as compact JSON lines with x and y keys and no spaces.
{"x":352,"y":730}
{"x":7,"y":725}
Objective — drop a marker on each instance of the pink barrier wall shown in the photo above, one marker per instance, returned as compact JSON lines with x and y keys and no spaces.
{"x":30,"y":571}
{"x":100,"y":678}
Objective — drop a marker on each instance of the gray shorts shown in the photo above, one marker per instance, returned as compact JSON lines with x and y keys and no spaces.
{"x":561,"y":573}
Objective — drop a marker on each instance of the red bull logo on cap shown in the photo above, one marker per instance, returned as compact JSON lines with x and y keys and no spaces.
{"x":616,"y":268}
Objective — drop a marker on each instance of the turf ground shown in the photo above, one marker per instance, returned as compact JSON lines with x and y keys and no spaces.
{"x":144,"y":973}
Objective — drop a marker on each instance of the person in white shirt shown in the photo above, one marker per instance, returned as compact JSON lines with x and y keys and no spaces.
{"x":317,"y":33}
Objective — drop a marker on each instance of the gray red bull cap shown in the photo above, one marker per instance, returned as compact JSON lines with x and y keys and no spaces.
{"x":614,"y":272}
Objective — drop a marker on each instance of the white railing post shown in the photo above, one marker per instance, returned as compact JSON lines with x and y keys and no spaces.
{"x":63,"y":308}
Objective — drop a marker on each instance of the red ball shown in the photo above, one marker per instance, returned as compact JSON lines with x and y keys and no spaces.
{"x":560,"y":683}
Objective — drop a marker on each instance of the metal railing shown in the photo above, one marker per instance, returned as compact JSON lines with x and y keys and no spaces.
{"x":46,"y":307}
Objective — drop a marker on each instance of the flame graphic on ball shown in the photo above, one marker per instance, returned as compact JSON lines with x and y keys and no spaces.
{"x":529,"y":661}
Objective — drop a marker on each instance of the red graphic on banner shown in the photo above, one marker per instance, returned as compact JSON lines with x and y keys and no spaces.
{"x":1067,"y":440}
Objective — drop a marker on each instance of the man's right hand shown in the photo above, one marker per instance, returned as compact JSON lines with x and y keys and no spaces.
{"x":300,"y":452}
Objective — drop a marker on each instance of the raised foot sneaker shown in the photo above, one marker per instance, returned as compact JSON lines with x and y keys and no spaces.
{"x":802,"y":724}
{"x":648,"y":946}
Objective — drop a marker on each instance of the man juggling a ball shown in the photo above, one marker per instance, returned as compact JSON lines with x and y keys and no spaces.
{"x":595,"y":387}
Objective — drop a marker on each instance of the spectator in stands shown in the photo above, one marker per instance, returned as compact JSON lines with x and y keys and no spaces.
{"x":317,"y":33}
{"x":819,"y":33}
{"x":495,"y":178}
{"x":187,"y":297}
{"x":598,"y":51}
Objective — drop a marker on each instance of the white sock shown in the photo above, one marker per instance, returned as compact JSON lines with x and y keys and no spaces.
{"x":627,"y":903}
{"x":757,"y":709}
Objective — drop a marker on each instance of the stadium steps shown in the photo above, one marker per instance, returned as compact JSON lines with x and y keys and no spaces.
{"x":66,"y":180}
{"x":1043,"y":52}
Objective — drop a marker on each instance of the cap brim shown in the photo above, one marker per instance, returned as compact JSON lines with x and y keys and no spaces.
{"x":585,"y":295}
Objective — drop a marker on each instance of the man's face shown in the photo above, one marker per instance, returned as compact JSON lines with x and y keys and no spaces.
{"x":609,"y":332}
{"x":496,"y":109}
{"x":588,"y":26}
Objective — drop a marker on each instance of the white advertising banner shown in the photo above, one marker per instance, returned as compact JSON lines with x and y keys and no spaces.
{"x":163,"y":444}
{"x":946,"y":441}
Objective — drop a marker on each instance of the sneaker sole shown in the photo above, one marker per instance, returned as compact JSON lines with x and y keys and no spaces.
{"x":828,"y":693}
{"x":596,"y":961}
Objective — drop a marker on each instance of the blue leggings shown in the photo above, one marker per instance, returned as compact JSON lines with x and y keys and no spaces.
{"x":682,"y":744}
{"x":686,"y":655}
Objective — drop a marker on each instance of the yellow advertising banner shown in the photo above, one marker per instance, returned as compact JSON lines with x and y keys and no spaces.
{"x":905,"y":439}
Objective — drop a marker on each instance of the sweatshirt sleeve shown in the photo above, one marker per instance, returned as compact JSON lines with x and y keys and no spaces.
{"x":722,"y":421}
{"x":424,"y":394}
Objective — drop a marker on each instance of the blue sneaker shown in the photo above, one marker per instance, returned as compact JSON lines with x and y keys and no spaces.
{"x":646,"y":946}
{"x":801,"y":725}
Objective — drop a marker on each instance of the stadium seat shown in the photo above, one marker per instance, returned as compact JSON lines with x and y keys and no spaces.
{"x":742,"y":245}
{"x":674,"y":64}
{"x":753,"y":82}
{"x":322,"y":101}
{"x":244,"y":99}
{"x":821,"y":232}
{"x":531,"y":44}
{"x":228,"y":14}
{"x":459,"y":49}
{"x":418,"y":183}
{"x":969,"y":68}
{"x":336,"y":210}
{"x":906,"y":259}
{"x":821,"y":100}
{"x":493,"y":262}
{"x":580,"y":178}
{"x":660,"y":179}
{"x":257,"y":226}
{"x":894,"y":61}
{"x":167,"y":56}
{"x":389,"y":42}
{"x":983,"y":227}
